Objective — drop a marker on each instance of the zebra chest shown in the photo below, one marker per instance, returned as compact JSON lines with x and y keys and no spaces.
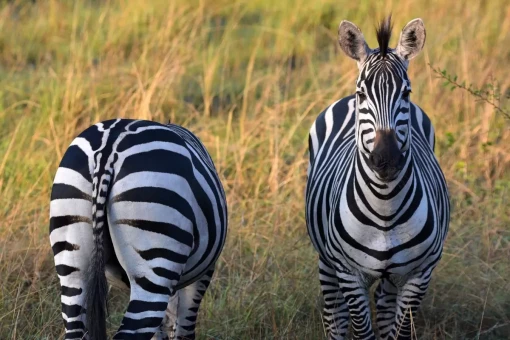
{"x":362,"y":240}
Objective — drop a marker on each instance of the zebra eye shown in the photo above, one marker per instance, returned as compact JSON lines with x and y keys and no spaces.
{"x":361,"y":95}
{"x":405,"y":94}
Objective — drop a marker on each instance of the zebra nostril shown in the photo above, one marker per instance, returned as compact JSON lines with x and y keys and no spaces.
{"x":375,"y":159}
{"x":401,"y":162}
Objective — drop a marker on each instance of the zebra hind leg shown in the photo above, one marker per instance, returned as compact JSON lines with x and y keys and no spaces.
{"x":386,"y":303}
{"x":190,"y":298}
{"x":336,"y":312}
{"x":153,"y":273}
{"x":72,"y":242}
{"x":167,"y":329}
{"x":147,"y":307}
{"x":181,"y":313}
{"x":72,"y":261}
{"x":153,"y":242}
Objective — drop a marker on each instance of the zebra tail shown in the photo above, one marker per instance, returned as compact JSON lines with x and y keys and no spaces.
{"x":97,"y":286}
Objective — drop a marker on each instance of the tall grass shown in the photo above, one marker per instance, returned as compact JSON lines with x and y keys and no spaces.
{"x":249,"y":78}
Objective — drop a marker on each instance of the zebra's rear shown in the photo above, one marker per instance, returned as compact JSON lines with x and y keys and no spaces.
{"x":144,"y":201}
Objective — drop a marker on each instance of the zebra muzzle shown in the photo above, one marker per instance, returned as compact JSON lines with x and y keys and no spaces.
{"x":386,"y":159}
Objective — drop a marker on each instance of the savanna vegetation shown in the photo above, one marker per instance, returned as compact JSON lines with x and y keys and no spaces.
{"x":249,"y":78}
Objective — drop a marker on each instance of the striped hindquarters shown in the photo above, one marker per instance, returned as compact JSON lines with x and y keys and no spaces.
{"x":164,"y":169}
{"x":143,"y":196}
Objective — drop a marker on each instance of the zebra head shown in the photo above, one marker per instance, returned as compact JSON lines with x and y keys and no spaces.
{"x":383,"y":123}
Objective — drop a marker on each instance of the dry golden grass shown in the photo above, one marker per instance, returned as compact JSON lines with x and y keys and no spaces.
{"x":249,"y":78}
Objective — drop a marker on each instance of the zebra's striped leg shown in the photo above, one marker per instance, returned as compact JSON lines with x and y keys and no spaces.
{"x":190,"y":298}
{"x":386,"y":302}
{"x":355,"y":292}
{"x":153,"y":271}
{"x":408,"y":301}
{"x":152,"y":242}
{"x":336,"y":312}
{"x":71,"y":241}
{"x":182,"y":310}
{"x":147,"y":306}
{"x":72,"y":266}
{"x":167,"y":328}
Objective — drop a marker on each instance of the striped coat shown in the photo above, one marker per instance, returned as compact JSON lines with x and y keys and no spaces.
{"x":377,"y":205}
{"x":142,"y":202}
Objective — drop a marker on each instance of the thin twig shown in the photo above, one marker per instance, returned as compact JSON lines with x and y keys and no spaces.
{"x":476,"y":93}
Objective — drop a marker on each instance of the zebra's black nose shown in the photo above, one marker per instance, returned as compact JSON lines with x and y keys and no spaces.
{"x":381,"y":160}
{"x":386,"y":159}
{"x":376,"y":160}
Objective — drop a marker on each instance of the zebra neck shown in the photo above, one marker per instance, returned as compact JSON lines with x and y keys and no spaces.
{"x":383,"y":200}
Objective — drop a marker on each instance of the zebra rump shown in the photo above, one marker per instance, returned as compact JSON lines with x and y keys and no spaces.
{"x":137,"y":204}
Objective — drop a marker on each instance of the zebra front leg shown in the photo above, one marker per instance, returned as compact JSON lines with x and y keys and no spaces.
{"x":336,"y":311}
{"x":386,"y":301}
{"x":409,"y":299}
{"x":355,"y":291}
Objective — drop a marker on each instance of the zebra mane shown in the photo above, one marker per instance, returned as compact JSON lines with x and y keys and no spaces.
{"x":383,"y":32}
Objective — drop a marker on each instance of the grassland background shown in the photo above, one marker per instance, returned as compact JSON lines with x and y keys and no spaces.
{"x":249,"y":77}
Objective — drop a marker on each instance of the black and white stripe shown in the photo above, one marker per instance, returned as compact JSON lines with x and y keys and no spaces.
{"x":377,"y":205}
{"x":142,"y":202}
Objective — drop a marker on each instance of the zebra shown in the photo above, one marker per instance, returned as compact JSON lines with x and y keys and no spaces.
{"x":137,"y":204}
{"x":376,"y":200}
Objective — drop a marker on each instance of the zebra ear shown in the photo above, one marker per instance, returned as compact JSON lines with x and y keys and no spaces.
{"x":352,"y":41}
{"x":412,"y":39}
